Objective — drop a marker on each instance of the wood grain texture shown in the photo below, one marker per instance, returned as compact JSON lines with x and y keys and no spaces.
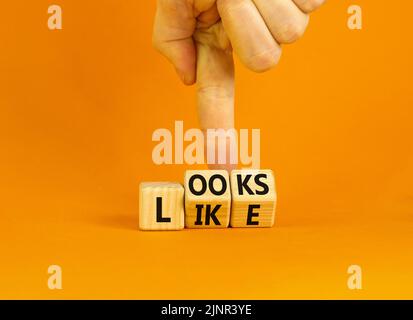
{"x":253,"y":191}
{"x":172,"y":206}
{"x":208,"y":200}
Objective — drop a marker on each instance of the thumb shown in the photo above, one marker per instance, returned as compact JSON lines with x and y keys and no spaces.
{"x":215,"y":91}
{"x":172,"y":37}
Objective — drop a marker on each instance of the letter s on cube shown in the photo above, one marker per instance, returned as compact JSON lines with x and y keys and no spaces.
{"x":253,"y":198}
{"x":161,"y":206}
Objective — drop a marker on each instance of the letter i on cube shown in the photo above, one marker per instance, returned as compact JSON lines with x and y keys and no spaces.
{"x":207,"y":199}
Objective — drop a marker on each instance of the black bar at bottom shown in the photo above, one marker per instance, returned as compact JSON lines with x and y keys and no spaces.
{"x":207,"y":309}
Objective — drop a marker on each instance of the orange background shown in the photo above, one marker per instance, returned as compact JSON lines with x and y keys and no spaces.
{"x":77,"y":111}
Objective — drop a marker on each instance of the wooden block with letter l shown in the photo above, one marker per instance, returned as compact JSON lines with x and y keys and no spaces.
{"x":161,"y":206}
{"x":253,"y":198}
{"x":207,"y":199}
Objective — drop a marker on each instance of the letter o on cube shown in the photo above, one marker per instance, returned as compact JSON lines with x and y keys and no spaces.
{"x":207,"y":199}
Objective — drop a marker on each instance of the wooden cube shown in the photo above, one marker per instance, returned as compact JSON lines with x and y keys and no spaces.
{"x":161,"y":206}
{"x":207,"y":199}
{"x":253,"y":198}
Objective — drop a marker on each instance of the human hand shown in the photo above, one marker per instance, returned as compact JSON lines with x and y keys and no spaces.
{"x":199,"y":37}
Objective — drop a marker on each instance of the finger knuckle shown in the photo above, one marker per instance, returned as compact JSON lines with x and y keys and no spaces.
{"x":265,"y":60}
{"x":311,"y":5}
{"x":291,"y":31}
{"x":229,"y":6}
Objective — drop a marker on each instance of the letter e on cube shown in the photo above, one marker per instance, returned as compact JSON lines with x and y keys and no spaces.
{"x":253,"y":198}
